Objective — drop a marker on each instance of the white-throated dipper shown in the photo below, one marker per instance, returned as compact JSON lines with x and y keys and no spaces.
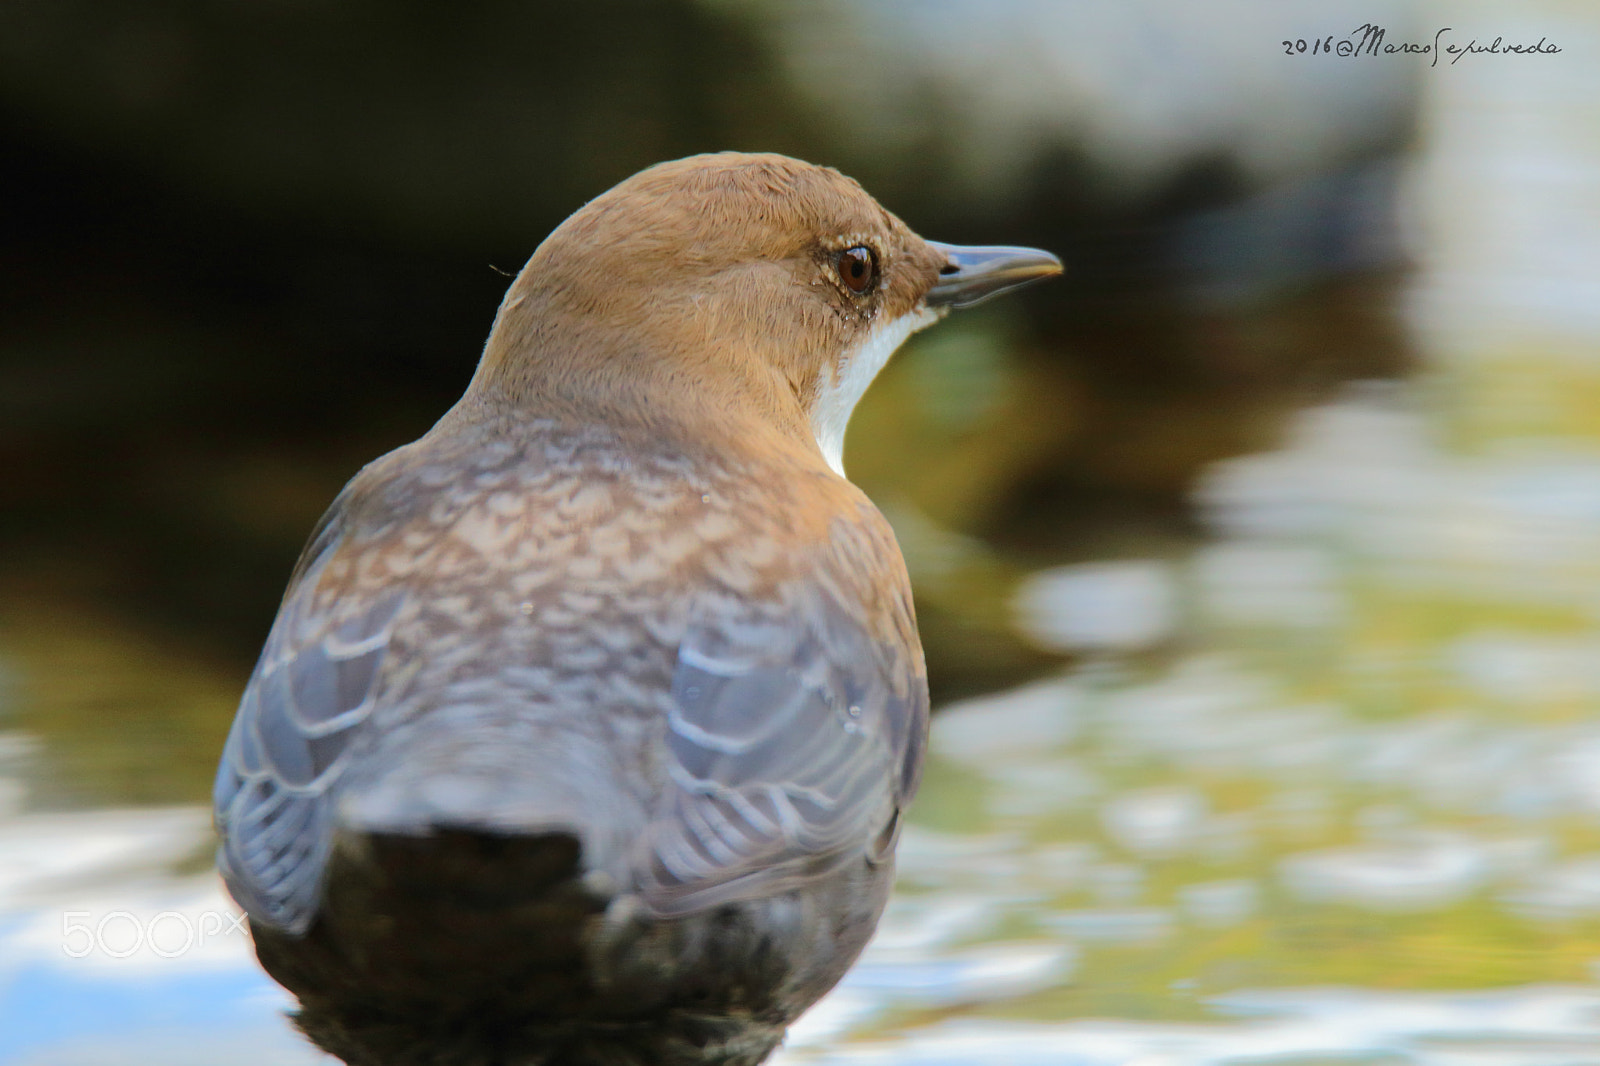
{"x":585,"y":727}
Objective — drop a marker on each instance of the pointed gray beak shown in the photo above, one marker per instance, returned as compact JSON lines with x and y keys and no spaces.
{"x":975,"y":274}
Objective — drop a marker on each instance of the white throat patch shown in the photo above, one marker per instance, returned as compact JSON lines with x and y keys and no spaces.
{"x":840,"y":391}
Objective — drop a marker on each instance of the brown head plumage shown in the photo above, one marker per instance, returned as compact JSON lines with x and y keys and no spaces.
{"x":713,"y":291}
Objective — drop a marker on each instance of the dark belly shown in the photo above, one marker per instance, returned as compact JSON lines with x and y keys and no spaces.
{"x":471,"y":949}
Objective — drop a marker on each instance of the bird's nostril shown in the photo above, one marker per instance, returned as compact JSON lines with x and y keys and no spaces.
{"x":949,"y":268}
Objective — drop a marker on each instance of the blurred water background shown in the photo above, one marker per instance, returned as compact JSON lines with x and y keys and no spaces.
{"x":1258,"y":559}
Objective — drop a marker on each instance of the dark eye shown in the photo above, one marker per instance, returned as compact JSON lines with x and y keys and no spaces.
{"x":858,"y":269}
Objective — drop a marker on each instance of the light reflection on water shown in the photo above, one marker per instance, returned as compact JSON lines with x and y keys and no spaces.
{"x":1547,"y":1026}
{"x":108,"y":956}
{"x":1242,"y":850}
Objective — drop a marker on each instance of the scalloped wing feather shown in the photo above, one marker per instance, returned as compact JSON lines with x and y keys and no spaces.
{"x":794,"y":742}
{"x":311,"y":692}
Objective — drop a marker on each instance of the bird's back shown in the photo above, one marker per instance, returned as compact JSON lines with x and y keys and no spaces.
{"x":563,"y":731}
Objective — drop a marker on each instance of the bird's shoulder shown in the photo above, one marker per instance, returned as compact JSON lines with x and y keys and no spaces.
{"x":552,"y":512}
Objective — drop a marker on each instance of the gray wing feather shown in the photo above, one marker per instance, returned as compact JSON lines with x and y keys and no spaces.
{"x":311,"y":692}
{"x":792,"y":746}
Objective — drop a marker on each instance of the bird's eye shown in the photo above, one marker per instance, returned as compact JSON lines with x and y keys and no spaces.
{"x":858,"y":269}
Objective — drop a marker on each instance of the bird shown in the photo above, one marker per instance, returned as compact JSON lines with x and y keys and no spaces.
{"x":586,"y":725}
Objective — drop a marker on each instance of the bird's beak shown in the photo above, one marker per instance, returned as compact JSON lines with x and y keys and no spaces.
{"x":972,"y":275}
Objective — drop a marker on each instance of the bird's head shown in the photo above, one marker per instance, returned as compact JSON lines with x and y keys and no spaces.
{"x":727,"y":287}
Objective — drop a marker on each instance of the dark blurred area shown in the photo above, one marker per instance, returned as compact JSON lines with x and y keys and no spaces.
{"x":249,"y":247}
